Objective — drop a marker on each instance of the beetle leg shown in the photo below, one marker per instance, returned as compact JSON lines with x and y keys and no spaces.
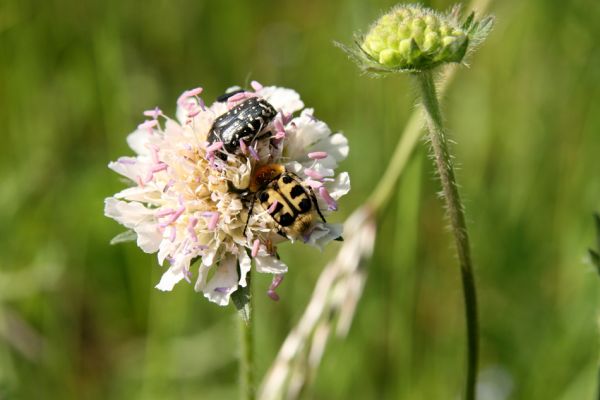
{"x":249,"y":213}
{"x":313,"y":197}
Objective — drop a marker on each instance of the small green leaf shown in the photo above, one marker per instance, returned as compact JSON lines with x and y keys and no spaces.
{"x":467,"y":24}
{"x":122,"y":237}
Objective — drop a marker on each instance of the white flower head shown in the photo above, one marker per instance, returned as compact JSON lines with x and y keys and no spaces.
{"x":190,"y":200}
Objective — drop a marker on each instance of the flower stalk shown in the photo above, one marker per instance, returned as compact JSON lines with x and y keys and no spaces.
{"x":243,"y":303}
{"x":445,"y":170}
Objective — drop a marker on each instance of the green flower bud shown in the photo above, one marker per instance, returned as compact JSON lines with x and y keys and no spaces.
{"x":411,"y":38}
{"x":438,"y":39}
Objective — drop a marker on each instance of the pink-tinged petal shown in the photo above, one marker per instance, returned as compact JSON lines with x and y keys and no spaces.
{"x":286,"y":118}
{"x":278,"y":124}
{"x":255,"y":85}
{"x":331,"y":203}
{"x":317,"y":155}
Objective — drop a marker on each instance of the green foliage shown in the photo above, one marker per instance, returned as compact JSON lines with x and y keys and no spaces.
{"x":80,"y":318}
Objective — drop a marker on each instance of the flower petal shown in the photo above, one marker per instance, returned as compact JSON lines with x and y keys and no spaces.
{"x":169,"y":279}
{"x":245,"y":264}
{"x":285,"y":100}
{"x":270,"y":264}
{"x":324,"y":233}
{"x":224,"y":281}
{"x":137,"y":217}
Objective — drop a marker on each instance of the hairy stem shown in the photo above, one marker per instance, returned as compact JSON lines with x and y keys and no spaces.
{"x":445,"y":169}
{"x":247,"y":388}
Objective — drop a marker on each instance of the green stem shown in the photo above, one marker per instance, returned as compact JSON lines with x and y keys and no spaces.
{"x":445,"y":169}
{"x":247,"y":388}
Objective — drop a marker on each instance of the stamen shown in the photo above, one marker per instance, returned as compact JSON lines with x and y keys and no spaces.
{"x":328,"y":199}
{"x":173,"y":217}
{"x":256,"y":86}
{"x":313,"y":174}
{"x":164,"y":212}
{"x":153,"y":151}
{"x":255,"y":247}
{"x":153,"y":113}
{"x":168,"y":185}
{"x":159,"y":167}
{"x":194,"y":112}
{"x":148,"y":125}
{"x":214,"y":147}
{"x":212,"y":224}
{"x":318,"y":155}
{"x":273,"y":206}
{"x":243,"y":146}
{"x":253,"y":153}
{"x":313,"y":184}
{"x":191,"y":230}
{"x":214,"y":219}
{"x":237,"y":97}
{"x":139,"y":181}
{"x":279,"y":135}
{"x":277,"y":279}
{"x":187,"y":94}
{"x":148,"y":177}
{"x":173,"y":234}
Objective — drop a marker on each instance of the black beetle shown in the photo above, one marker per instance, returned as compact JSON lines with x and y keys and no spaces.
{"x":243,"y":122}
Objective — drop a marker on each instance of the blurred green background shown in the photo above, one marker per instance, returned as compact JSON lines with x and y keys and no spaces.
{"x":79,"y":319}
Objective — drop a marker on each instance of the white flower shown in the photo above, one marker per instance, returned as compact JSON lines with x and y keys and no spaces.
{"x":182,"y":205}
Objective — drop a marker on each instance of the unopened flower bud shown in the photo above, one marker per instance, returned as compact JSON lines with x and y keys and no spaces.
{"x":411,"y":38}
{"x":437,"y":39}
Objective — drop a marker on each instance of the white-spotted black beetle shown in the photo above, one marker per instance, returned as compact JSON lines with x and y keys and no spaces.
{"x":243,"y":122}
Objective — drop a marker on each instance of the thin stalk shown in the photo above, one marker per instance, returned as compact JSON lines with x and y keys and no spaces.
{"x":445,"y":169}
{"x":246,"y":321}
